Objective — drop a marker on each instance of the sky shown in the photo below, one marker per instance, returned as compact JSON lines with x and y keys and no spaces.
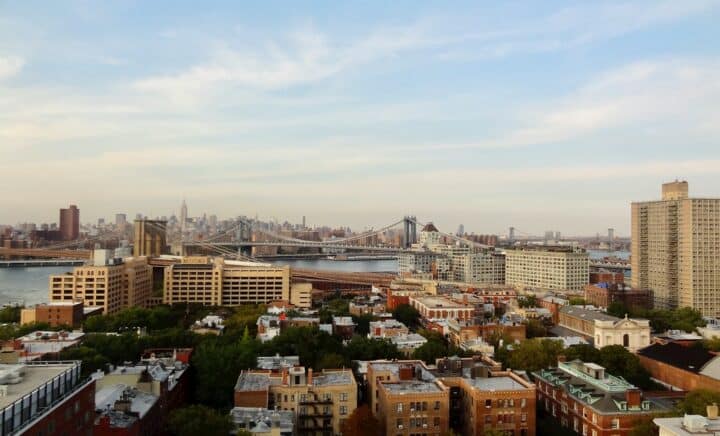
{"x":538,"y":115}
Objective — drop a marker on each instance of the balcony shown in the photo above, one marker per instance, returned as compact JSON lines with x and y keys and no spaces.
{"x":315,"y":401}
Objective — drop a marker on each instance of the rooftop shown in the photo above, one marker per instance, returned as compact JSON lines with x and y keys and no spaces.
{"x":333,"y":378}
{"x":255,"y":419}
{"x":22,"y":379}
{"x":277,"y":362}
{"x":252,"y":381}
{"x":502,"y":383}
{"x":439,"y":302}
{"x":140,"y":402}
{"x":411,"y":386}
{"x":687,"y":358}
{"x":582,"y":312}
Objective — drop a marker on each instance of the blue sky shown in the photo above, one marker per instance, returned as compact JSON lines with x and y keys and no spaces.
{"x":541,"y":115}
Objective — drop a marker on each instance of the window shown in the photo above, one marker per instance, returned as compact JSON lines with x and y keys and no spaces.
{"x":437,"y":405}
{"x":615,"y":423}
{"x":343,"y":396}
{"x":399,"y":408}
{"x":488,"y":404}
{"x":343,"y":410}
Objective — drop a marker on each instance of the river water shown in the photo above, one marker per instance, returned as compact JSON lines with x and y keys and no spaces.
{"x":30,"y":285}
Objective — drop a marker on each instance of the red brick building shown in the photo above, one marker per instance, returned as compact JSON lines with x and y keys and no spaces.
{"x":604,"y":294}
{"x":47,"y":398}
{"x":607,"y":277}
{"x":586,"y":400}
{"x":682,"y":366}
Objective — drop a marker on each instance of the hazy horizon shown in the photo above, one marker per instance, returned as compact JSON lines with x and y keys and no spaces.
{"x":538,"y":115}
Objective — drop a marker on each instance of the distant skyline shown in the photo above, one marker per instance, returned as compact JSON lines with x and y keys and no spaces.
{"x":541,"y":115}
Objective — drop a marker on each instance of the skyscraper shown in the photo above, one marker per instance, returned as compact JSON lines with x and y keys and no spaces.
{"x":676,"y":249}
{"x":70,"y":223}
{"x":120,"y":219}
{"x":183,"y":215}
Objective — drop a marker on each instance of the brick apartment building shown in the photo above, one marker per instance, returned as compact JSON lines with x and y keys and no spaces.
{"x":55,"y":313}
{"x":586,"y":400}
{"x":321,"y":402}
{"x":604,"y":294}
{"x":466,"y":395}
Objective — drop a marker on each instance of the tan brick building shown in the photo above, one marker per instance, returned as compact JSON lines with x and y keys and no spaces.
{"x":675,"y":249}
{"x":219,"y":282}
{"x":408,"y":398}
{"x":322,"y":402}
{"x":543,"y":267}
{"x":58,"y":313}
{"x":113,"y":284}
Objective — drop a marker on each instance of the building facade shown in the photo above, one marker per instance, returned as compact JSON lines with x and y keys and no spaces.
{"x":69,"y":223}
{"x":604,"y":329}
{"x":586,"y":400}
{"x":550,"y":268}
{"x":113,"y":284}
{"x":218,"y":282}
{"x":434,"y":307}
{"x":321,"y":402}
{"x":604,"y":294}
{"x":675,"y":250}
{"x":58,"y":313}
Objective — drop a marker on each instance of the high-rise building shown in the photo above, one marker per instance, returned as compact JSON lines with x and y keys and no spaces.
{"x":550,"y":268}
{"x":676,"y":249}
{"x":460,"y":230}
{"x":120,"y":219}
{"x":183,"y":215}
{"x":70,"y":223}
{"x":611,"y":235}
{"x":113,"y":284}
{"x":150,"y":238}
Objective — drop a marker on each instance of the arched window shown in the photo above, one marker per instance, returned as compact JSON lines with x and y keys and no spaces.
{"x":626,"y":340}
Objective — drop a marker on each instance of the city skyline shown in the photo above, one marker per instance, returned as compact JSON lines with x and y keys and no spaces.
{"x":535,"y":115}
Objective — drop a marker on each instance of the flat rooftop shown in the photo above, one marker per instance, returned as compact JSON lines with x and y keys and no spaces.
{"x":333,"y":378}
{"x":31,"y":377}
{"x":249,"y":381}
{"x":502,"y":383}
{"x":440,"y":302}
{"x":581,"y":312}
{"x":411,"y":387}
{"x":141,"y":402}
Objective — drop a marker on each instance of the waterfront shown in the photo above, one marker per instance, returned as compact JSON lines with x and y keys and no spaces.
{"x":27,"y":284}
{"x":31,"y":284}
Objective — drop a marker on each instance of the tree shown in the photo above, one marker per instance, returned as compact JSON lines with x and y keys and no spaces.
{"x":584,"y":352}
{"x":430,"y":350}
{"x":361,"y":422}
{"x":10,"y":314}
{"x":620,"y":362}
{"x":407,"y":315}
{"x":331,"y":361}
{"x":197,"y":419}
{"x":363,"y":348}
{"x":577,"y":301}
{"x":535,"y":329}
{"x":644,"y":427}
{"x":696,"y":401}
{"x":363,"y":323}
{"x":534,"y":354}
{"x":617,"y":308}
{"x":217,"y":362}
{"x":527,"y":301}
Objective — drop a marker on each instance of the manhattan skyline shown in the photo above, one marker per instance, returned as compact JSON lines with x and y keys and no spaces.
{"x":539,"y":115}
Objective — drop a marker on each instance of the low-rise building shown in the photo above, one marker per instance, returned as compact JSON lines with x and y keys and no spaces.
{"x":681,"y":366}
{"x":386,"y":329}
{"x":437,"y":307}
{"x":343,"y":326}
{"x":604,"y":329}
{"x":46,"y":398}
{"x":408,"y":343}
{"x":321,"y":402}
{"x":582,"y":397}
{"x":409,"y":398}
{"x":209,"y":325}
{"x":263,"y":422}
{"x":137,"y":399}
{"x":689,"y":425}
{"x":54,"y":313}
{"x":39,"y":345}
{"x":604,"y":294}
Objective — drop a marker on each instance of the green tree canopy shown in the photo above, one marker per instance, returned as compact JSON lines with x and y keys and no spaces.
{"x":198,"y":420}
{"x":696,"y":401}
{"x":534,"y":354}
{"x":407,"y":315}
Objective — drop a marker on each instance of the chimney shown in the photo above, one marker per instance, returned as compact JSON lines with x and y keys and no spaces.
{"x":310,"y":377}
{"x":633,"y":397}
{"x":406,"y":372}
{"x":712,"y":411}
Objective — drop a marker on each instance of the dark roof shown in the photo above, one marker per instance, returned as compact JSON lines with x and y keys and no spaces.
{"x":687,"y":358}
{"x":430,"y":227}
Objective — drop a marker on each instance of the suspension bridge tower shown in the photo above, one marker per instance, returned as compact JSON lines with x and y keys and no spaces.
{"x":409,"y":231}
